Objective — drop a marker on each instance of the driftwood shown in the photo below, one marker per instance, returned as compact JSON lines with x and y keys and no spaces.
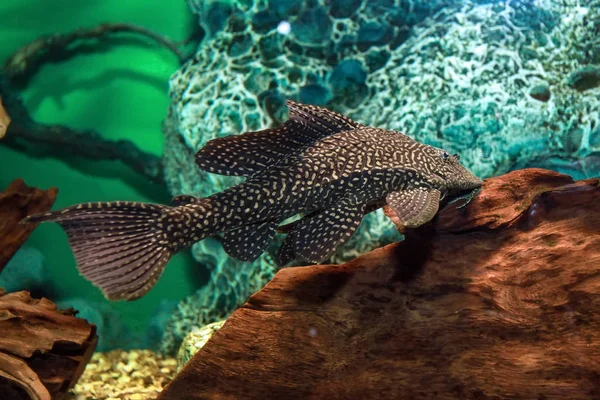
{"x":31,"y":137}
{"x":17,"y":202}
{"x":4,"y":120}
{"x":500,"y":299}
{"x":43,"y":351}
{"x":28,"y":135}
{"x":30,"y":56}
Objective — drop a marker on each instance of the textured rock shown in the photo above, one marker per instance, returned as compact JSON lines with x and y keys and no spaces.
{"x":16,"y":202}
{"x":43,"y":350}
{"x":111,"y":327}
{"x":194,"y":341}
{"x":585,"y":78}
{"x":540,"y":92}
{"x":454,"y":74}
{"x":500,"y":299}
{"x":26,"y":270}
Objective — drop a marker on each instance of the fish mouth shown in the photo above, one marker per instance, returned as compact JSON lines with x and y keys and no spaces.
{"x":467,"y":194}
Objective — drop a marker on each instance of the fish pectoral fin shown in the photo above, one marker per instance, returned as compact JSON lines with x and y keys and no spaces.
{"x":289,"y":227}
{"x":317,"y":236}
{"x":250,"y":241}
{"x":252,"y":152}
{"x":413,"y":207}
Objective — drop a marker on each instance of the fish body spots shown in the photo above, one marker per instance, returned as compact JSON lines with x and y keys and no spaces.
{"x":319,"y":164}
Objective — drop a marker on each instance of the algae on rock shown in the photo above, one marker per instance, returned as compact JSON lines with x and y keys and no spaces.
{"x":194,"y":341}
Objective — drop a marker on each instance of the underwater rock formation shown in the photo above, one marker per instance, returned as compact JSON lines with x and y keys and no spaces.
{"x":454,"y":74}
{"x":110,"y":325}
{"x":194,"y":341}
{"x":498,"y":299}
{"x":16,"y":202}
{"x":27,"y":270}
{"x":43,"y":350}
{"x":32,"y":137}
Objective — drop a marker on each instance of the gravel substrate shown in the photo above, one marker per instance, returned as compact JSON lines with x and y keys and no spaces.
{"x":124,"y":375}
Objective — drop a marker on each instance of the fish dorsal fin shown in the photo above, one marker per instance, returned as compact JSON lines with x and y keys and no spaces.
{"x":321,"y":121}
{"x":251,"y":152}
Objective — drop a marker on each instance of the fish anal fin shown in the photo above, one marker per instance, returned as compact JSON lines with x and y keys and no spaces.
{"x":413,"y":207}
{"x":250,"y":241}
{"x":317,"y":236}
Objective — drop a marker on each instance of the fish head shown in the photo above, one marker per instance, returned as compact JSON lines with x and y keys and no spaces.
{"x":455,"y":177}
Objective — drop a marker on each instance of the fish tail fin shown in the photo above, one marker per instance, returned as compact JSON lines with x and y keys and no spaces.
{"x":120,"y":247}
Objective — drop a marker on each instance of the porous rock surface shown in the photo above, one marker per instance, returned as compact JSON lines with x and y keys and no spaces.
{"x":507,"y":85}
{"x":194,"y":341}
{"x":500,"y":299}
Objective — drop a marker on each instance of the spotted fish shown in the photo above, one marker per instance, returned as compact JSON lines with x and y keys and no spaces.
{"x":319,"y":164}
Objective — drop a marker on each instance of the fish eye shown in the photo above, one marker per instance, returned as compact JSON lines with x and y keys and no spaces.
{"x":445,"y":155}
{"x":456,"y":156}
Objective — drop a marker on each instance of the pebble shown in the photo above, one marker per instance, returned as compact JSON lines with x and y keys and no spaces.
{"x":124,"y":375}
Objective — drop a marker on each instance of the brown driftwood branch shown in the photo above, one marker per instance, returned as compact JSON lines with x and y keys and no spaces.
{"x":16,"y":202}
{"x":30,"y":56}
{"x":43,"y":350}
{"x":500,"y":299}
{"x":58,"y":140}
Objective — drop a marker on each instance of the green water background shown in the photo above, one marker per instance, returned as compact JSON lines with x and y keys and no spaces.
{"x":119,"y":89}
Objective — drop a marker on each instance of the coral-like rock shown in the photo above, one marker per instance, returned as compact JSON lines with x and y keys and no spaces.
{"x":112,"y":329}
{"x":26,"y":270}
{"x":194,"y":341}
{"x":43,"y":350}
{"x":454,"y":74}
{"x":585,"y":78}
{"x":499,"y":299}
{"x":540,"y":92}
{"x":16,"y":202}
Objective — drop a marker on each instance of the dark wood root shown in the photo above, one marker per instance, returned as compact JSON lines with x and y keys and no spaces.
{"x":16,"y":202}
{"x":30,"y":56}
{"x":43,"y":350}
{"x":496,"y":300}
{"x":41,"y":140}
